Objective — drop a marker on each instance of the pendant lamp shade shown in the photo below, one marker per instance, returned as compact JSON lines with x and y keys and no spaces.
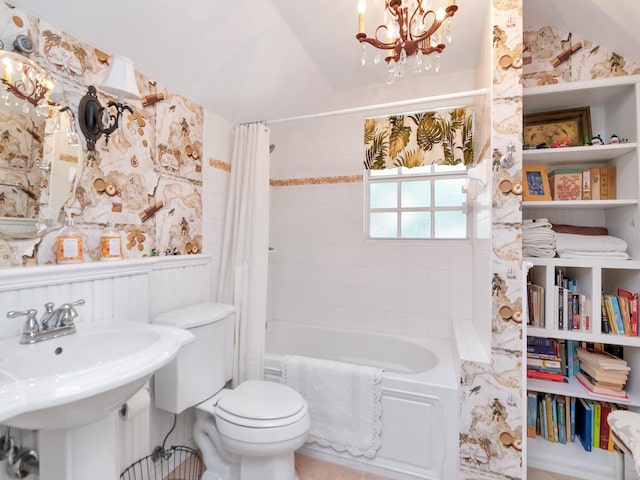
{"x":120,"y":80}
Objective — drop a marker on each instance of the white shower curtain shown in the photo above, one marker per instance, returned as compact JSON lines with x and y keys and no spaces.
{"x":244,"y":265}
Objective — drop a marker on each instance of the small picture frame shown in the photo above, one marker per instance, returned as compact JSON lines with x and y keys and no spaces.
{"x":535,"y":183}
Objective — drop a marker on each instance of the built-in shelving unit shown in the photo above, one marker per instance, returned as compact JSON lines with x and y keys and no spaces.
{"x":615,"y":109}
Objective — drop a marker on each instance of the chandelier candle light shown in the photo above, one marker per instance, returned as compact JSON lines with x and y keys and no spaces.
{"x":410,"y":28}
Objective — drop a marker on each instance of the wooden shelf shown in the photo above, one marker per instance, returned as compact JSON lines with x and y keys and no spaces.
{"x":577,"y":155}
{"x":595,"y":93}
{"x":584,"y":263}
{"x":571,"y":459}
{"x":574,"y":389}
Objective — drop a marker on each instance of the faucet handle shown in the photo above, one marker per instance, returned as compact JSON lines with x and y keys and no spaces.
{"x":31,"y":325}
{"x":19,"y":313}
{"x":69,"y":313}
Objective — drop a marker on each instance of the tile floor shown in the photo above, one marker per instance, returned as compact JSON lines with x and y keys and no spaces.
{"x":309,"y":468}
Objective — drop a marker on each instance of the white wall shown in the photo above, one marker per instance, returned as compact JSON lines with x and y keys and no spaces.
{"x":322,"y":270}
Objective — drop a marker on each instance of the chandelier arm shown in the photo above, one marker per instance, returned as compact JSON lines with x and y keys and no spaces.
{"x":432,"y":29}
{"x":376,"y":43}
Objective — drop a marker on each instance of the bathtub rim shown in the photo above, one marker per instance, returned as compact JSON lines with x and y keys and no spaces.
{"x":443,"y":374}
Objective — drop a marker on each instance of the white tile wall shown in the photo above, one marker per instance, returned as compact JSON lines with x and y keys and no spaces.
{"x":324,"y":272}
{"x":218,"y":145}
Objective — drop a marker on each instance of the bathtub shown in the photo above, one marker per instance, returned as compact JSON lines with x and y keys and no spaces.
{"x":419,"y":396}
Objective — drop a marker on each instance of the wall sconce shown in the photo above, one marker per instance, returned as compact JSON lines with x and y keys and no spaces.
{"x":96,"y":120}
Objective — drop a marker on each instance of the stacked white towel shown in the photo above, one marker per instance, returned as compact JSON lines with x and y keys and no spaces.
{"x":538,"y":240}
{"x":591,"y":246}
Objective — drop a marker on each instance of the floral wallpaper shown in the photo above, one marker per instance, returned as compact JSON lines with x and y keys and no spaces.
{"x":413,"y":140}
{"x":147,"y":178}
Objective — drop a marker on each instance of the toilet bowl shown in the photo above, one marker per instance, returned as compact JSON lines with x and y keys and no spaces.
{"x":258,"y":425}
{"x":248,"y":433}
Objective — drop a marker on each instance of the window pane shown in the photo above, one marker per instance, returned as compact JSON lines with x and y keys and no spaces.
{"x":383,"y":195}
{"x":449,"y":192}
{"x":416,"y":224}
{"x":416,"y":194}
{"x":383,"y":225}
{"x":451,"y":225}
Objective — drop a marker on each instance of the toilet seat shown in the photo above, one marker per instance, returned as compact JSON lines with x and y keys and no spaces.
{"x":260,"y":404}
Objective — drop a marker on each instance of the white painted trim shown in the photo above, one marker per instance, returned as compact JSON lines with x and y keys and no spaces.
{"x":28,"y":277}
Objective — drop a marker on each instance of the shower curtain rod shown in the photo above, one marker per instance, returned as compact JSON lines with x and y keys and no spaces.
{"x":400,"y":103}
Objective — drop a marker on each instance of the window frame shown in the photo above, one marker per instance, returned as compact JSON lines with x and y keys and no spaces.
{"x":404,"y":175}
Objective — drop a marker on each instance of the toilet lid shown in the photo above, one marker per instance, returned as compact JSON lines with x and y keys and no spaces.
{"x":261,"y":404}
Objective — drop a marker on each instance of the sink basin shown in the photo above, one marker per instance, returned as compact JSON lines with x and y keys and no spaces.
{"x":78,"y":379}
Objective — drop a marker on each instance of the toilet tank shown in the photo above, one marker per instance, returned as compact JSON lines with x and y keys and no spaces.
{"x":202,"y":367}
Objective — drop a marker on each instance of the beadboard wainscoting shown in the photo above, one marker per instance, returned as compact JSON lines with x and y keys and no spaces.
{"x":132,"y":290}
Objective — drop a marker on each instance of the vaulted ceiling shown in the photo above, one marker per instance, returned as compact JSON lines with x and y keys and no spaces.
{"x":262,"y":59}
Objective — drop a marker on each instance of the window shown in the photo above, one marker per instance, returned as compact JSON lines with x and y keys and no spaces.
{"x":417,"y":203}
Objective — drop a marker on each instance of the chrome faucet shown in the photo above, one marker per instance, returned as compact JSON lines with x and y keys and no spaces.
{"x":54,"y":322}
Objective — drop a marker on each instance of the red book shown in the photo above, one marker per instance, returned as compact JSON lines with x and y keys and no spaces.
{"x":633,"y":300}
{"x":605,"y":409}
{"x":556,"y":377}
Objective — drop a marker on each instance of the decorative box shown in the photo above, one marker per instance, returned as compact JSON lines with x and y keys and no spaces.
{"x":566,"y":184}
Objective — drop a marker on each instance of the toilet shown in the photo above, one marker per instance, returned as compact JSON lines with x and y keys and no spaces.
{"x":246,"y":433}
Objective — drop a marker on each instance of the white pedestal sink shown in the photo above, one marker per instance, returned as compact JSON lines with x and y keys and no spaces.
{"x":69,"y":388}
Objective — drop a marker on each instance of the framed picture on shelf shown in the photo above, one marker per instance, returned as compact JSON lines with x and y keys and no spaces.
{"x":560,"y":128}
{"x":535,"y":183}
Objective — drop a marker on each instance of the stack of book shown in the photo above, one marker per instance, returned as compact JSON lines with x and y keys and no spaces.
{"x":602,"y":373}
{"x":546,"y":359}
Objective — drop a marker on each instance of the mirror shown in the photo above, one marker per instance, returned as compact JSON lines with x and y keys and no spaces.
{"x":40,"y":158}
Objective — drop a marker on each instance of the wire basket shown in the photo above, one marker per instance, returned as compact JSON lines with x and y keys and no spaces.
{"x":176,"y":463}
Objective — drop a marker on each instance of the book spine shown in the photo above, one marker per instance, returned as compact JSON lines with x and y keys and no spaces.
{"x":612,"y":182}
{"x":572,"y":412}
{"x":596,"y":424}
{"x":556,"y":377}
{"x":617,"y":314}
{"x":586,"y":185}
{"x":604,"y":184}
{"x":532,"y":413}
{"x":605,"y":409}
{"x":550,"y":415}
{"x":595,"y":183}
{"x":562,"y":415}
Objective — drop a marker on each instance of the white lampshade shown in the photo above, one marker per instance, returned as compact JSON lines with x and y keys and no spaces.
{"x":121,"y":79}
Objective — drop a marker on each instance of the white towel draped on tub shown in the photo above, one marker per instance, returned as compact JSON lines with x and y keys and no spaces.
{"x":345,"y":402}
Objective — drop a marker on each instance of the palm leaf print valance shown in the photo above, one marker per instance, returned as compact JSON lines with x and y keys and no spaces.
{"x":443,"y":137}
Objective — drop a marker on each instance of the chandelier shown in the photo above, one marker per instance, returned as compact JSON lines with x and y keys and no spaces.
{"x":410,"y":28}
{"x":26,"y":81}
